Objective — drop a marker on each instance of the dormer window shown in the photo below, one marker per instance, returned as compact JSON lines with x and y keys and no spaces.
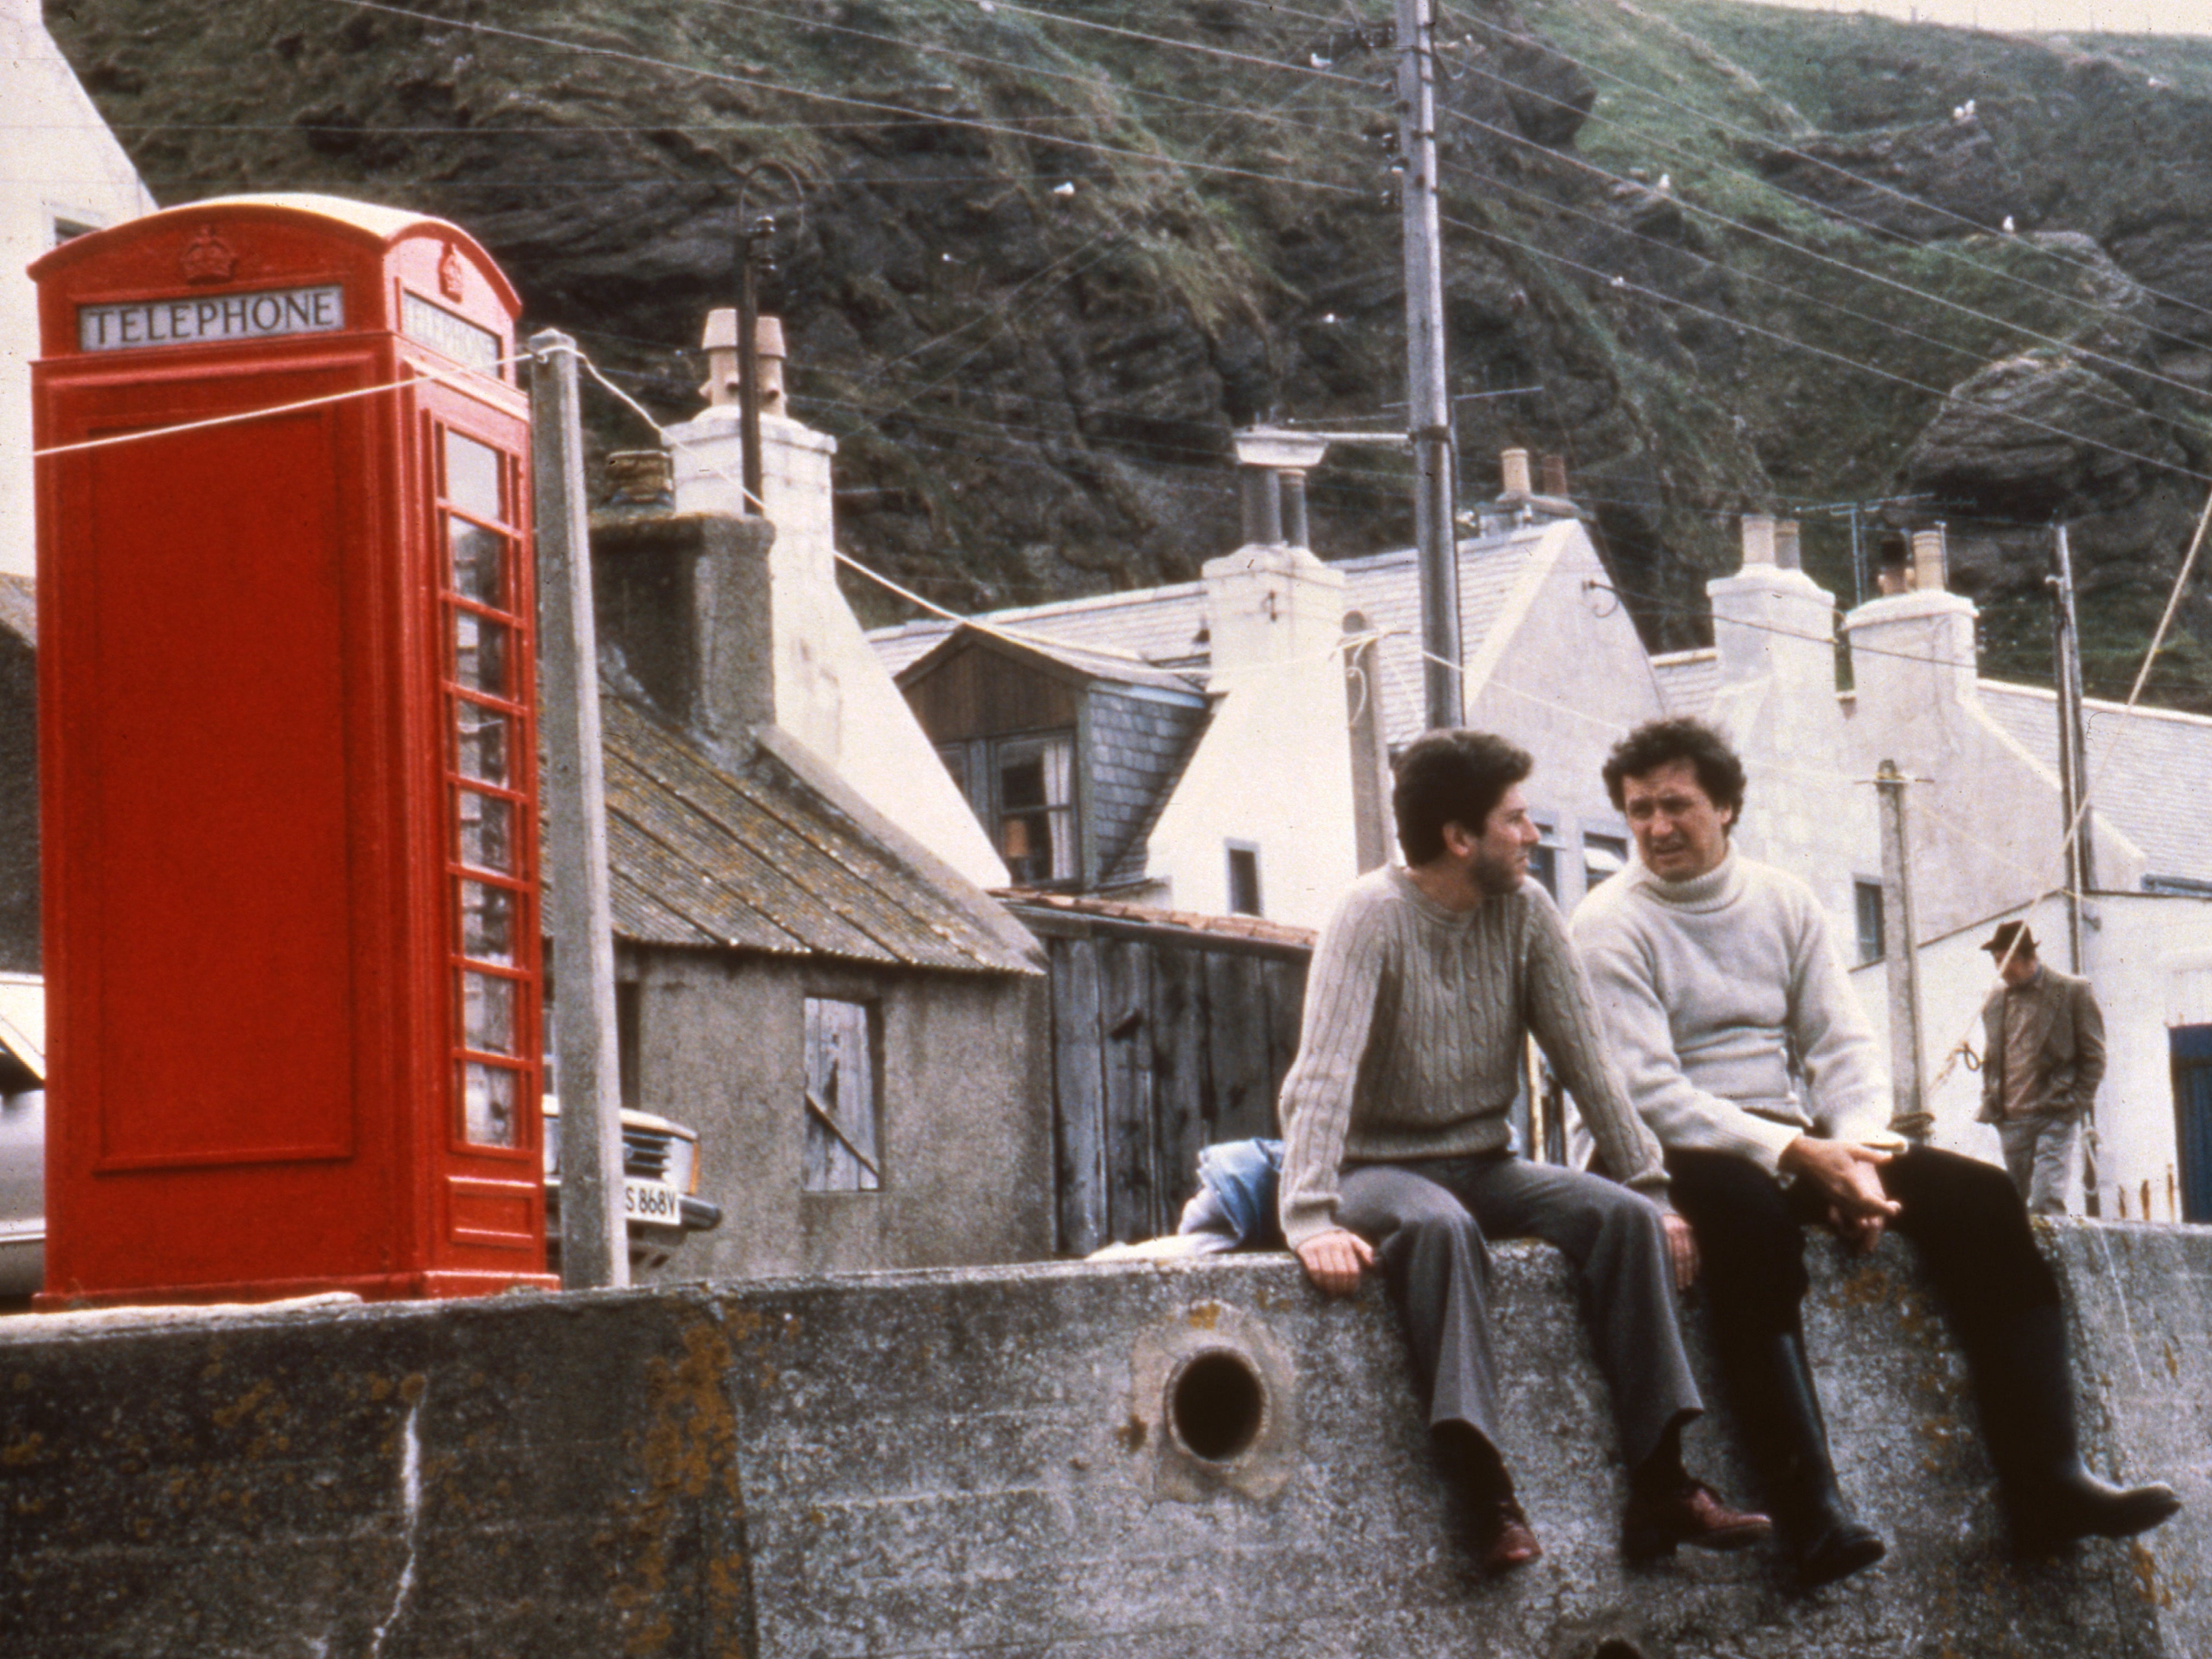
{"x":1023,"y":788}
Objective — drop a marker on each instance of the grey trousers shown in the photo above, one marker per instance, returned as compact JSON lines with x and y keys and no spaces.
{"x":2039,"y":1153}
{"x":1428,"y":1221}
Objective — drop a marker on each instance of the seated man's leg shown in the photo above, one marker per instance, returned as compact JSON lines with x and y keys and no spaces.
{"x":1436,"y":1268}
{"x":1618,"y":1240}
{"x":1753,"y":1250}
{"x":1972,"y":1231}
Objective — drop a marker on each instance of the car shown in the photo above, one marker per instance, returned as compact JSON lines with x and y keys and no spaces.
{"x":22,"y":1134}
{"x":660,"y":1185}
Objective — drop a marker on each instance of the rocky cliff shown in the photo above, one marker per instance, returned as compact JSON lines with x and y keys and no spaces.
{"x":1720,"y":256}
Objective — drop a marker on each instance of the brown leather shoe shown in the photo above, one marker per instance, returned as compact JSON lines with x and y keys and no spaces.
{"x":1503,"y":1539}
{"x":1654,"y":1524}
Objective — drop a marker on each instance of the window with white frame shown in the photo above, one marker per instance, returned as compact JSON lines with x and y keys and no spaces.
{"x":842,"y":1150}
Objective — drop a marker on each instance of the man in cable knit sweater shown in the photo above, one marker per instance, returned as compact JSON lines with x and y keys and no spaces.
{"x":1746,"y":1052}
{"x":1423,"y":989}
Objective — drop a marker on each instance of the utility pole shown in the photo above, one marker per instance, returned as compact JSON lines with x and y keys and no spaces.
{"x":2073,"y":750}
{"x":1908,"y":1081}
{"x":594,"y":1238}
{"x":756,"y":226}
{"x":1435,"y":535}
{"x":2074,"y":794}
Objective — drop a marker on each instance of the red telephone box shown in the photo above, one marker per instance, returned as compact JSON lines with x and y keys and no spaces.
{"x":287,"y":757}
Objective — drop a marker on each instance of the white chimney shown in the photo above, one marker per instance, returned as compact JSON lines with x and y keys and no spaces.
{"x":1758,"y":540}
{"x":1930,"y":561}
{"x":1516,"y":462}
{"x":1787,"y":556}
{"x":831,"y":692}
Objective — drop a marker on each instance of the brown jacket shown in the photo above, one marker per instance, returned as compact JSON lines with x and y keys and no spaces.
{"x":2068,"y":1034}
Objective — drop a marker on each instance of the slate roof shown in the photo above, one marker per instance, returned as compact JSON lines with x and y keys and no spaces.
{"x":1161,"y":625}
{"x":1093,"y":663}
{"x":2150,"y":772}
{"x":1156,"y":625}
{"x":760,"y":861}
{"x":1386,"y":589}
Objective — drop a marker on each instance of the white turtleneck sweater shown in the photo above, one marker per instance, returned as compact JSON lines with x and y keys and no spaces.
{"x":1415,"y":1021}
{"x":1708,"y":986}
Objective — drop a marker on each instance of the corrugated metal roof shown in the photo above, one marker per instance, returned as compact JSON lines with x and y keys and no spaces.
{"x":1257,"y":929}
{"x":760,"y":861}
{"x":2150,"y":772}
{"x":1687,"y":680}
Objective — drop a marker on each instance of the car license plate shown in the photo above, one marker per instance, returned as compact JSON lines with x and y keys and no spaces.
{"x":655,"y":1203}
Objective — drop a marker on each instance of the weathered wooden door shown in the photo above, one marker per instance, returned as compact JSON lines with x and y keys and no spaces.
{"x":1163,"y":1041}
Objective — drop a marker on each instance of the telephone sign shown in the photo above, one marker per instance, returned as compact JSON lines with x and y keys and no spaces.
{"x":288,"y":759}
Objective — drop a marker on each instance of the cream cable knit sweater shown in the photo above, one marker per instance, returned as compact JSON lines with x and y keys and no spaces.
{"x":1708,"y":986}
{"x":1414,"y":1019}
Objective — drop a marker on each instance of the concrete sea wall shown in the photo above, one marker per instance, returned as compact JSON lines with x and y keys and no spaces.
{"x":1071,"y":1460}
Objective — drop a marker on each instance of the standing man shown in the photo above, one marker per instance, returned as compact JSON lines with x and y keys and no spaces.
{"x":2043,"y":1056}
{"x":1746,"y":1052}
{"x":1424,"y":987}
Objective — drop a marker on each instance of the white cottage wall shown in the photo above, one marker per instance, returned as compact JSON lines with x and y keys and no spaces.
{"x":65,"y":172}
{"x":832,"y":692}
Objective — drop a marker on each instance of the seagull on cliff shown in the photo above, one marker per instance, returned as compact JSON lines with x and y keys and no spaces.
{"x":1666,"y":183}
{"x":2009,"y":228}
{"x":1964,"y":113}
{"x":1068,"y":189}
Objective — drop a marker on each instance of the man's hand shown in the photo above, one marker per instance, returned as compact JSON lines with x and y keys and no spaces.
{"x":1846,"y":1176}
{"x":1334,"y":1260}
{"x":1682,"y":1246}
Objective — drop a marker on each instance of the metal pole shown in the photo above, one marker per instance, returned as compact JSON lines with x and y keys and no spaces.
{"x":2069,"y":760}
{"x":2084,"y":844}
{"x":594,"y":1242}
{"x":2074,"y":778}
{"x":1858,"y":562}
{"x":1430,"y":425}
{"x":1908,"y":1082}
{"x":749,"y":397}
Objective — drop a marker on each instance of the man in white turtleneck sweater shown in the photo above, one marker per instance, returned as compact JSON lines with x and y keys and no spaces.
{"x":1745,"y":1050}
{"x":1398,"y":1156}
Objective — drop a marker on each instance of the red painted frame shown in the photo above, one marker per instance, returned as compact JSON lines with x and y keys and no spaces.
{"x":248,"y":817}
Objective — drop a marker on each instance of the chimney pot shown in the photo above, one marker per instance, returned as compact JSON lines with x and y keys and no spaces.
{"x":1555,"y":476}
{"x":1515,"y":463}
{"x":720,"y":341}
{"x":1293,"y":485}
{"x":1262,"y":488}
{"x":1929,"y":561}
{"x":641,"y":476}
{"x":1787,"y":555}
{"x":1758,"y":539}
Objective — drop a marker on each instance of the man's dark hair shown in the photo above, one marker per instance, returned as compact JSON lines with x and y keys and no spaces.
{"x":1455,"y":776}
{"x":1660,"y":743}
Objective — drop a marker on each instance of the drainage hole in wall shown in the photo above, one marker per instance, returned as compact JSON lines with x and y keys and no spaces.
{"x":1216,"y":1406}
{"x":1615,"y":1647}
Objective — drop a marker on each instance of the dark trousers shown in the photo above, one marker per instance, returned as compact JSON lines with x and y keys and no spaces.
{"x":1963,"y":1217}
{"x":1429,"y":1220}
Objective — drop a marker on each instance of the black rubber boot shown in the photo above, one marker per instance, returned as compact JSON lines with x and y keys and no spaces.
{"x":1772,"y":1386}
{"x":2027,"y":1396}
